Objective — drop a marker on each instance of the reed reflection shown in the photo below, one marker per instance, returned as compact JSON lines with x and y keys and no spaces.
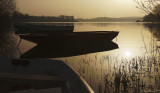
{"x":154,"y":29}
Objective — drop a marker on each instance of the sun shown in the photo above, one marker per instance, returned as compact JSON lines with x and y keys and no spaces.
{"x":127,"y":53}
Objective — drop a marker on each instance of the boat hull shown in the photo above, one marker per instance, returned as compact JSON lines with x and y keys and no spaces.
{"x":70,"y":37}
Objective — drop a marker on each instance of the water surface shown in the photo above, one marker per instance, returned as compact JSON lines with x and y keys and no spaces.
{"x":133,"y":67}
{"x":134,"y":64}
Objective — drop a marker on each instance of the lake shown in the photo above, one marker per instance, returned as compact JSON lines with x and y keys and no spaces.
{"x":132,"y":67}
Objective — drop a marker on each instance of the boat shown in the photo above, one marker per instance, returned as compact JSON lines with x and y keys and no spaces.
{"x":70,"y":37}
{"x":43,"y":29}
{"x":22,"y":75}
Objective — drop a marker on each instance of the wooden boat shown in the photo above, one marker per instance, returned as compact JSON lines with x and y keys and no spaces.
{"x":27,"y":75}
{"x":68,"y":37}
{"x":43,"y":29}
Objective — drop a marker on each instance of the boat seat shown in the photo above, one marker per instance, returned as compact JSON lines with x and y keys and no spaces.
{"x":24,"y":82}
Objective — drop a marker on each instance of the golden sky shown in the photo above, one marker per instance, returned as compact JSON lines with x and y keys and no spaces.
{"x":80,"y":8}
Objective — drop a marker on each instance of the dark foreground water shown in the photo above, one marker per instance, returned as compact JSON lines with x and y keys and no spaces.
{"x":133,"y":67}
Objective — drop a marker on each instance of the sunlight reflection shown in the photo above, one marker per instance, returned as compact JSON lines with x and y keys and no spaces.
{"x":127,"y":53}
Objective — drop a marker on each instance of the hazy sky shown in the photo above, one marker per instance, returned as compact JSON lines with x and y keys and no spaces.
{"x":80,"y":8}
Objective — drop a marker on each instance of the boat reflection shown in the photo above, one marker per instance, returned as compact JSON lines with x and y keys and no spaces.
{"x":67,"y":49}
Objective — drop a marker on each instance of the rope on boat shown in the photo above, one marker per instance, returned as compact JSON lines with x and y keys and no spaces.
{"x":18,"y":46}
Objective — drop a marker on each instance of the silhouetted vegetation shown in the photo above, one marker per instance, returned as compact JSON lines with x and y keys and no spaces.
{"x":151,"y":18}
{"x":7,"y":7}
{"x":20,"y":17}
{"x":8,"y":46}
{"x":8,"y":12}
{"x":137,"y":75}
{"x":151,"y":8}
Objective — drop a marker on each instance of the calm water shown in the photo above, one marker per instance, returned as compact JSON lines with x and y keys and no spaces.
{"x":133,"y":67}
{"x":135,"y":64}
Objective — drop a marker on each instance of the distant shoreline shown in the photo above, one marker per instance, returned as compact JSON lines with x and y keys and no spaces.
{"x":107,"y":19}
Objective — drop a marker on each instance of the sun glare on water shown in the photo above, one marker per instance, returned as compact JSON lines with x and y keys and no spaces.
{"x":127,"y":53}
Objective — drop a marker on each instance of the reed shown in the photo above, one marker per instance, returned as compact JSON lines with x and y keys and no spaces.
{"x":111,"y":74}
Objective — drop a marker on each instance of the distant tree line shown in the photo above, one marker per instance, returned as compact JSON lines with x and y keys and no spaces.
{"x":9,"y":14}
{"x":20,"y":17}
{"x":107,"y":19}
